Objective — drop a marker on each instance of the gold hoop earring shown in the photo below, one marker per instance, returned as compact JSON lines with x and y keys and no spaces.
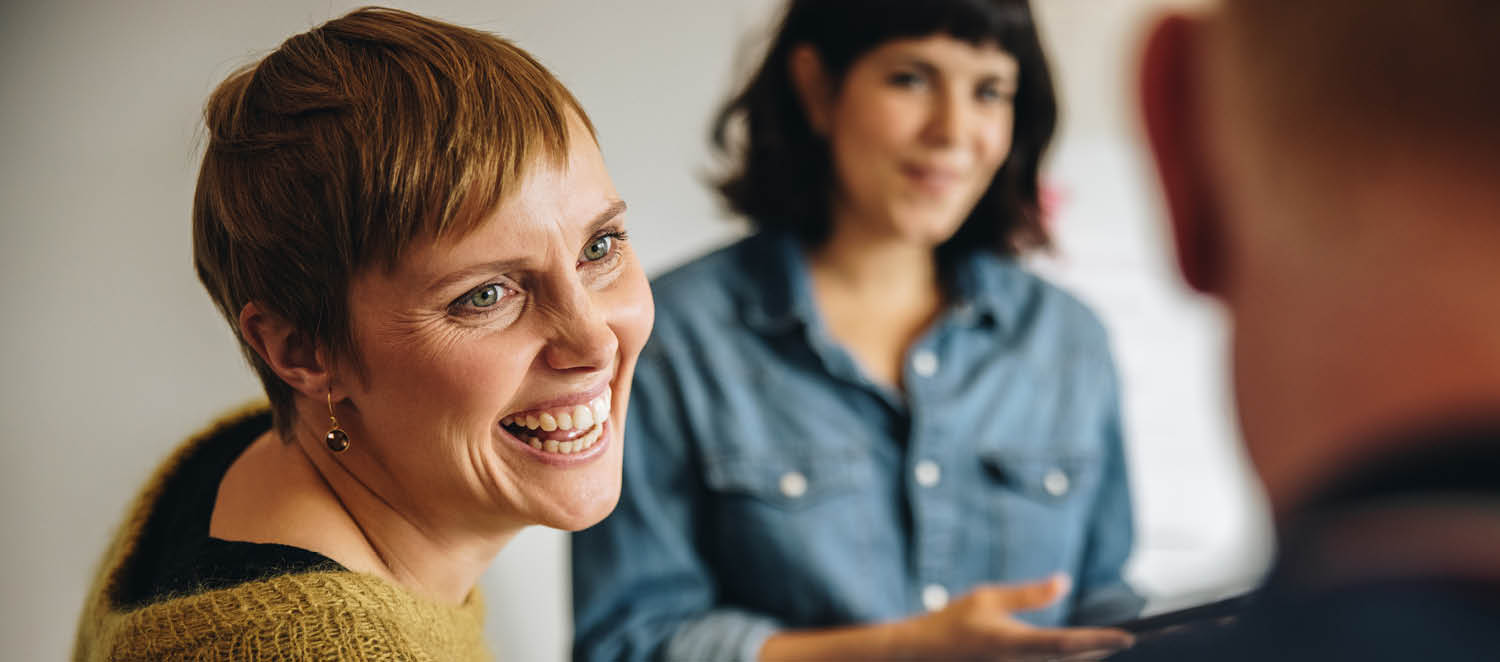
{"x":336,"y":440}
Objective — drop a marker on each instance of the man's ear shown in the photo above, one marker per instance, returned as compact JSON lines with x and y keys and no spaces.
{"x":292,"y":354}
{"x":814,"y":87}
{"x":1173,"y":115}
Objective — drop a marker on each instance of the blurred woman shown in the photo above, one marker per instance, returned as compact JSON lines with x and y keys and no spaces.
{"x":847,"y":426}
{"x":409,"y":227}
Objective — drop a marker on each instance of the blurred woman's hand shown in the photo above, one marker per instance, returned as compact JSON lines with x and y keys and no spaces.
{"x":978,"y":626}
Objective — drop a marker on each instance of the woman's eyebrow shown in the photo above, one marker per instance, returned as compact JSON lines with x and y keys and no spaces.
{"x":610,"y":213}
{"x":496,"y":266}
{"x":915,"y":62}
{"x":1005,"y":79}
{"x":1005,"y":75}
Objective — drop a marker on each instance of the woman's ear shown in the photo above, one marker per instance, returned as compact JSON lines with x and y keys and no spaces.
{"x":1174,"y":121}
{"x":292,"y":354}
{"x":813,"y":85}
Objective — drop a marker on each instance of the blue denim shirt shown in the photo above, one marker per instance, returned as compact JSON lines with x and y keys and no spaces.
{"x":770,"y":484}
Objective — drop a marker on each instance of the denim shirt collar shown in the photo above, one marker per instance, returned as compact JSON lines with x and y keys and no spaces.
{"x":991,"y":287}
{"x":988,"y":289}
{"x":778,"y":294}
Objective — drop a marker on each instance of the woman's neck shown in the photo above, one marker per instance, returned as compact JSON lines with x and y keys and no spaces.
{"x":876,"y":292}
{"x":290,"y":494}
{"x":878,"y":267}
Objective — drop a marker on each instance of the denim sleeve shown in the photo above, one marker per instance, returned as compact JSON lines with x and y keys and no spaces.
{"x":1103,"y":596}
{"x":641,"y":588}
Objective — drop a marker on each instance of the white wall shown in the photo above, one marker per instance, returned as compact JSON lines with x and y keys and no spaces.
{"x":113,"y":353}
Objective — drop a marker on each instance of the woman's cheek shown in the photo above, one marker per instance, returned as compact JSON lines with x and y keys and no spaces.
{"x":481,"y":366}
{"x":998,"y":141}
{"x":633,"y":311}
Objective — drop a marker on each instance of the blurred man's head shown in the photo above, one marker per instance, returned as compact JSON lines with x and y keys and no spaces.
{"x":1332,"y":168}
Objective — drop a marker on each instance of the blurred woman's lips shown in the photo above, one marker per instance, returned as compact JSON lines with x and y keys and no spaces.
{"x":568,"y":427}
{"x":933,"y":180}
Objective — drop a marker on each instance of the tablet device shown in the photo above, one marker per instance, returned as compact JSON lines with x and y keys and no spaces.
{"x":1201,"y":617}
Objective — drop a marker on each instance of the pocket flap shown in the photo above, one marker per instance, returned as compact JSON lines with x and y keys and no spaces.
{"x":788,"y":481}
{"x":1042,"y":478}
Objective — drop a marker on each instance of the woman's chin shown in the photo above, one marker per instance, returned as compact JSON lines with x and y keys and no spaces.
{"x":583,"y":518}
{"x":578,"y":499}
{"x":925,"y":225}
{"x":579,"y":510}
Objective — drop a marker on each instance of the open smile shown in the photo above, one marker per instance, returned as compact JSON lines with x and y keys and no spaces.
{"x":563,"y":430}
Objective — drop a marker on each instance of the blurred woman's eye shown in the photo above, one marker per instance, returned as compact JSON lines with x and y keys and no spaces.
{"x":993,"y":93}
{"x":906,"y":79}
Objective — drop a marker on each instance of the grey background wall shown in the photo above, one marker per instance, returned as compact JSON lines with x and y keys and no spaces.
{"x":111,"y":353}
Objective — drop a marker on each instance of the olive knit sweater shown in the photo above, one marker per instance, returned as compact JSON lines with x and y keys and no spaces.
{"x":168,"y":591}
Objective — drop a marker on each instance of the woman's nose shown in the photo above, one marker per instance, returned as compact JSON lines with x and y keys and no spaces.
{"x":582,"y":339}
{"x":946,"y":119}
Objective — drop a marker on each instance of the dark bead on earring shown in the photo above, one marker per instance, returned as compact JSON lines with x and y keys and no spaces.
{"x":337,"y":441}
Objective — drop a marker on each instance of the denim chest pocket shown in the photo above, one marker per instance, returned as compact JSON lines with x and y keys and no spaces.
{"x":790,"y":533}
{"x":797,"y":450}
{"x":788,"y":482}
{"x":1038,"y":508}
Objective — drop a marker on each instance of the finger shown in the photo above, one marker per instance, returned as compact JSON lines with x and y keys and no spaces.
{"x":1086,"y":656}
{"x":1031,"y":595}
{"x":1070,"y":641}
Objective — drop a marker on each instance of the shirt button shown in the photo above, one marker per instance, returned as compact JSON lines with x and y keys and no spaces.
{"x":928,"y":473}
{"x":964,"y":311}
{"x":793,"y":484}
{"x":925,"y":363}
{"x":934,"y":597}
{"x":1056,"y":482}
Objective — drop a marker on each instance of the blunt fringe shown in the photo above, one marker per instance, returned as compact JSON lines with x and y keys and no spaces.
{"x":780,"y":171}
{"x":347,"y":145}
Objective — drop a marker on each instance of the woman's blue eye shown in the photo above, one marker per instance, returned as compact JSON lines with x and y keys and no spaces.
{"x":994,"y":93}
{"x":905,"y":79}
{"x":485,"y":297}
{"x":599,"y":249}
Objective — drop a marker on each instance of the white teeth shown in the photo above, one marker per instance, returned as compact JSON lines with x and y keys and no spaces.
{"x":588,"y":440}
{"x":589,"y":416}
{"x":576,"y":417}
{"x":578,"y":445}
{"x":583,"y":417}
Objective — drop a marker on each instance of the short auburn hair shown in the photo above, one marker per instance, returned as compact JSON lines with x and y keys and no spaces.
{"x":346,"y":146}
{"x":781,"y":175}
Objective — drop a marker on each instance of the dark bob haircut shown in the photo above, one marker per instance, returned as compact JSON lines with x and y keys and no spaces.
{"x":781,"y":176}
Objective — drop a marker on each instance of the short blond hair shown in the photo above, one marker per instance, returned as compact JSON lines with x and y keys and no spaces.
{"x":346,"y":145}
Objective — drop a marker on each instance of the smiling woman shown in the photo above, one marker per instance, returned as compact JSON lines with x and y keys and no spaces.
{"x":850,"y":427}
{"x":411,"y":231}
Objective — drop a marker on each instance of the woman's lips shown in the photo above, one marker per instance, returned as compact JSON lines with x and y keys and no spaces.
{"x":933,"y":180}
{"x":582,"y":449}
{"x":585,"y":396}
{"x":564,"y":429}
